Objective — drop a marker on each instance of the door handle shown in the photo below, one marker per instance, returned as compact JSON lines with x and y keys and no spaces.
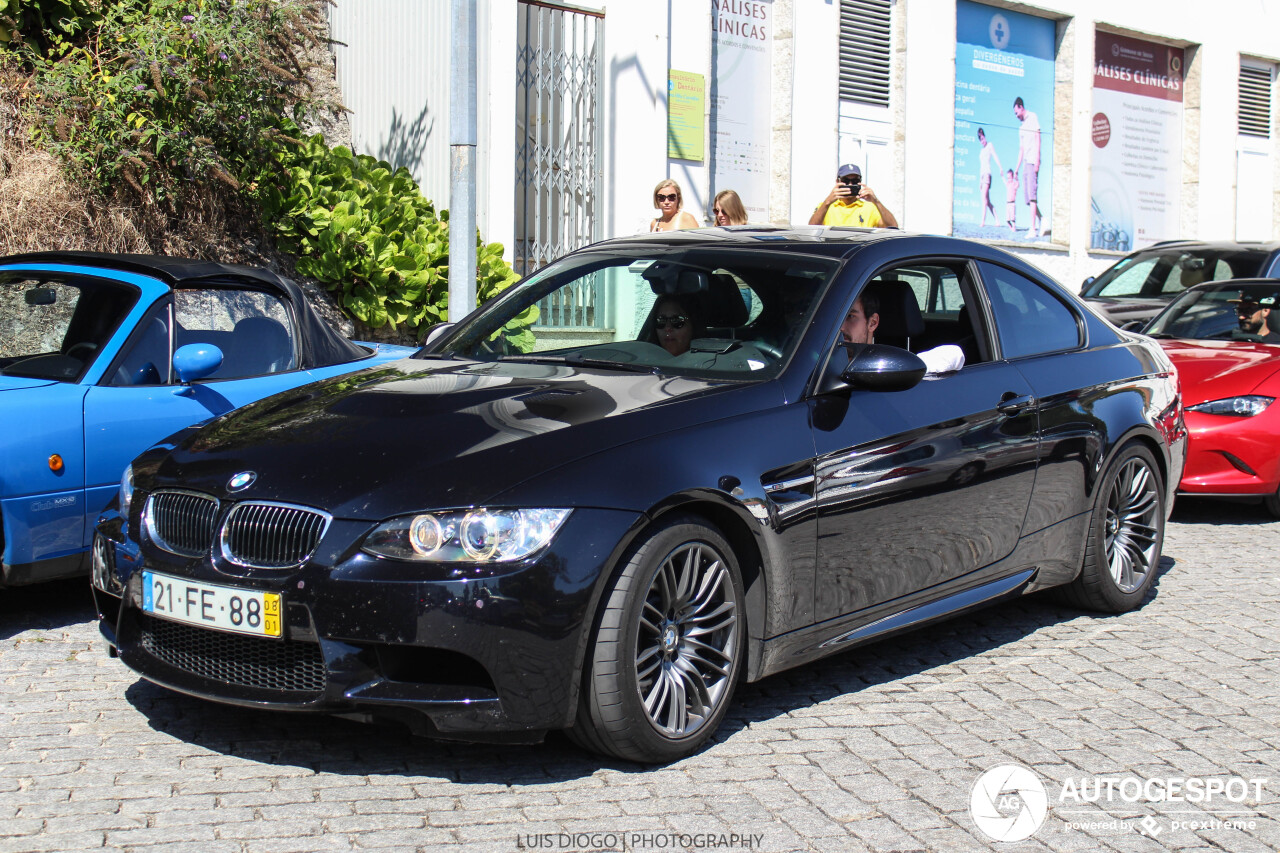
{"x":1011,"y":403}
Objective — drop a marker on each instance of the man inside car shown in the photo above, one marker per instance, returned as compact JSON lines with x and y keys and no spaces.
{"x":859,"y":327}
{"x":1254,"y":314}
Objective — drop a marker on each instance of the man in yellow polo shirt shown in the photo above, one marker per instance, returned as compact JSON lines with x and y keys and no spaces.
{"x":852,"y":202}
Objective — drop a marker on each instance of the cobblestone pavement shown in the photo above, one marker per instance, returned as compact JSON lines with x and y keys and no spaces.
{"x":878,"y":749}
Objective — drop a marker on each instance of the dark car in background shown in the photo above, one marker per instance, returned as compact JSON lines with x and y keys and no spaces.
{"x":1142,"y":283}
{"x":588,"y":528}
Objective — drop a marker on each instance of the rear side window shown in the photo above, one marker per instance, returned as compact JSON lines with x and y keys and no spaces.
{"x":1030,"y":319}
{"x":251,"y":328}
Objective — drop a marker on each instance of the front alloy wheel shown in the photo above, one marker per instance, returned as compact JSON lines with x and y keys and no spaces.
{"x":687,"y":640}
{"x":667,"y":649}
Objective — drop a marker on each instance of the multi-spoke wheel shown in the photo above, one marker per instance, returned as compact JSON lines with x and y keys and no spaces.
{"x":668,"y":647}
{"x":1126,"y":532}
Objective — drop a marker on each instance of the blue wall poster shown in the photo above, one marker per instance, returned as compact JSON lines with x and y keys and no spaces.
{"x":1003,"y":179}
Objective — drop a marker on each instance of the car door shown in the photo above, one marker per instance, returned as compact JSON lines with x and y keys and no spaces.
{"x":139,"y":401}
{"x":918,"y":487}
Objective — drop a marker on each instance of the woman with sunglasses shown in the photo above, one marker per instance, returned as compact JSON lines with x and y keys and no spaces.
{"x":668,"y":201}
{"x":728,"y":209}
{"x":673,"y":325}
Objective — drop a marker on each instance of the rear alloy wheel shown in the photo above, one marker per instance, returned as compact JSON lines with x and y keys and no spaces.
{"x":1126,"y":533}
{"x":668,"y":648}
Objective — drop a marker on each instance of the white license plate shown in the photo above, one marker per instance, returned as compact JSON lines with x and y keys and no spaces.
{"x":226,"y":608}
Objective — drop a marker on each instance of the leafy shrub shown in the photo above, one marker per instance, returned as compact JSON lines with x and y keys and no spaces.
{"x":163,"y":94}
{"x":39,"y":20}
{"x":364,"y":230}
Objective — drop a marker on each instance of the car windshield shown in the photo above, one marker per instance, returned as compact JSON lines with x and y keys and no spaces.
{"x":1164,"y":273}
{"x":710,"y":312}
{"x":1228,"y":312}
{"x":54,"y":329}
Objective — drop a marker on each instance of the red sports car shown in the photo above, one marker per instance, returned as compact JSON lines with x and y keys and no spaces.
{"x":1224,"y":338}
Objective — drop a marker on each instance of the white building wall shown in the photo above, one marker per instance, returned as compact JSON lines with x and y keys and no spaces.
{"x":403,"y":73}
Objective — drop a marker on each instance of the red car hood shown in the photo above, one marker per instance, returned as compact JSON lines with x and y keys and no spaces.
{"x":1215,"y":370}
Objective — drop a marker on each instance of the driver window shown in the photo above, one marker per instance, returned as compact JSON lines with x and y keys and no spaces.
{"x":147,"y":356}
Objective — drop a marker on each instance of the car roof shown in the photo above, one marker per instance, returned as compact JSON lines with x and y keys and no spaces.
{"x":171,"y":271}
{"x":1213,"y":245}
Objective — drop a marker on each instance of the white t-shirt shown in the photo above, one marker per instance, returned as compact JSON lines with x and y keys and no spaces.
{"x":1029,"y":138}
{"x":944,"y":359}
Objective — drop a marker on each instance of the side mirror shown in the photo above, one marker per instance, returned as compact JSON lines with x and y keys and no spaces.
{"x":41,"y":296}
{"x":876,"y":367}
{"x":1133,"y":325}
{"x":196,"y":361}
{"x":1088,"y":281}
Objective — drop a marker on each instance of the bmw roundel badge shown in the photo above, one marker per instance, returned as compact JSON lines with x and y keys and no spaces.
{"x":241,"y":481}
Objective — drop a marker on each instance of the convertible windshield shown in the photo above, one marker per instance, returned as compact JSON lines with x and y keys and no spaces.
{"x":735,"y":313}
{"x":1231,"y":311}
{"x":51,"y":329}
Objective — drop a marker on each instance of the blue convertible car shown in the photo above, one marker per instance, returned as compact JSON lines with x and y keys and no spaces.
{"x":101,"y":356}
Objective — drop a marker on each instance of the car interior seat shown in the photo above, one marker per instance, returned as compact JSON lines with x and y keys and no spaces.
{"x":721,"y":308}
{"x":900,"y":319}
{"x":258,"y":345}
{"x":967,"y":337}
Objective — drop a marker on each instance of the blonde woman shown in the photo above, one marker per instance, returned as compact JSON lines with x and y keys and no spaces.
{"x":668,"y":201}
{"x":728,"y":209}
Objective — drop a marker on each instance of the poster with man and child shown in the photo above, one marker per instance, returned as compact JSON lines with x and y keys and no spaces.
{"x":1003,"y":184}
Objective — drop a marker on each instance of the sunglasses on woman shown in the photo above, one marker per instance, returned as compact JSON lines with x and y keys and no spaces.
{"x":663,"y":197}
{"x":675,"y":321}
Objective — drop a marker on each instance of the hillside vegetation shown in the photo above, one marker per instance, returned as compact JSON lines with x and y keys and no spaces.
{"x":177,"y":127}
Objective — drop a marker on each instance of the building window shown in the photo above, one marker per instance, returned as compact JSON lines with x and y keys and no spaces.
{"x":864,"y":51}
{"x":1255,"y":99}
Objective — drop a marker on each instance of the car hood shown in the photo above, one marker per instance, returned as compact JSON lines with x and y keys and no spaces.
{"x":1216,"y":370}
{"x":1123,"y":309}
{"x":437,"y":434}
{"x":14,"y":383}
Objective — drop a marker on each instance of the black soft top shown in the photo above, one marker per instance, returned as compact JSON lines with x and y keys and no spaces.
{"x":321,"y":345}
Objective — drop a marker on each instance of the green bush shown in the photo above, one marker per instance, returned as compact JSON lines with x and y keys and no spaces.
{"x":160,"y":95}
{"x":365,"y":231}
{"x":45,"y":20}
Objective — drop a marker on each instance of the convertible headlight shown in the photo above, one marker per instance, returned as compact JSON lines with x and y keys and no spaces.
{"x":1244,"y":407}
{"x":126,"y":492}
{"x":466,"y":536}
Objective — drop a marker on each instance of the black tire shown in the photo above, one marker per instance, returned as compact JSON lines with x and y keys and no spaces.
{"x":1126,"y":534}
{"x":672,"y":630}
{"x":1271,"y":502}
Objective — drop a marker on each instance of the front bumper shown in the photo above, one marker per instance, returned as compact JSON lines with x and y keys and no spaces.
{"x":1232,"y":455}
{"x":450,"y":651}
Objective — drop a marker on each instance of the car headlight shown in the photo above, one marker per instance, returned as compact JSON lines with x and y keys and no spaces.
{"x":466,"y":536}
{"x":126,"y":492}
{"x":1244,"y":407}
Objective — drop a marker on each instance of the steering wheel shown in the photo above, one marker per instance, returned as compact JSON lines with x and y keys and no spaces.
{"x":82,"y":351}
{"x":768,"y":349}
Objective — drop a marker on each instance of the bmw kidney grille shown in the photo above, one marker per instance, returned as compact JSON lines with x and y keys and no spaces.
{"x":181,"y":522}
{"x":254,"y":534}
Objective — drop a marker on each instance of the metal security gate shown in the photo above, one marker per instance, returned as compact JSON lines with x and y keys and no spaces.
{"x":557,"y":147}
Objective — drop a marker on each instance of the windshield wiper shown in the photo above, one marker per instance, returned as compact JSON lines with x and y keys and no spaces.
{"x":583,"y":361}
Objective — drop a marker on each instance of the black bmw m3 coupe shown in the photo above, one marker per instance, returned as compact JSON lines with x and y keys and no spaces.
{"x":657,"y":467}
